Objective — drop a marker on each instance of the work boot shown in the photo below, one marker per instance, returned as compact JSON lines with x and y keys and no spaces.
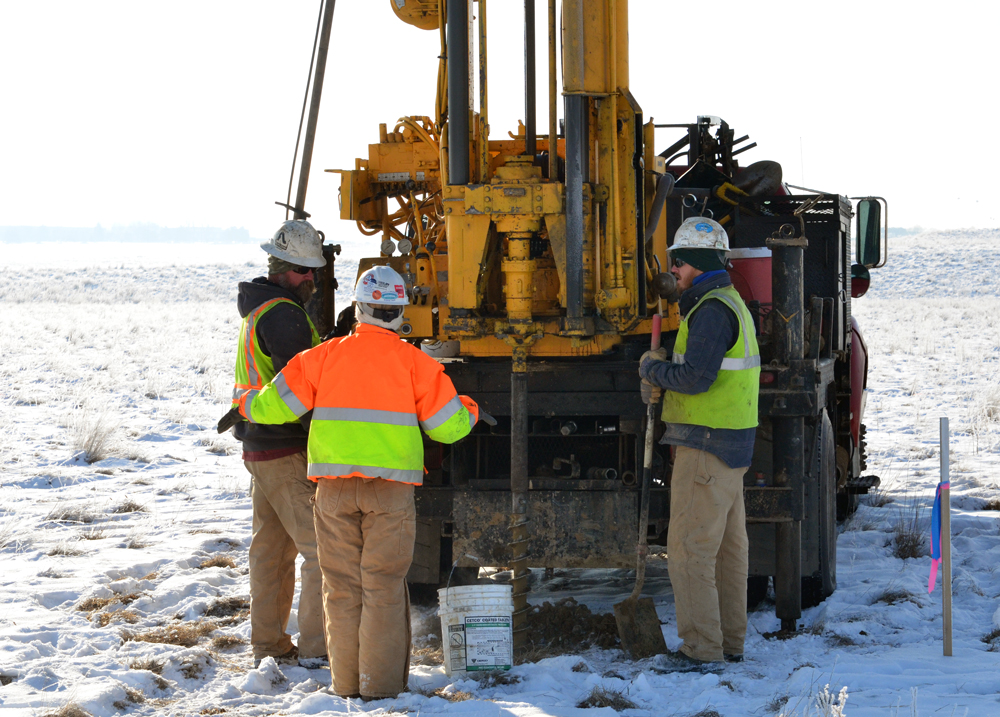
{"x":679,"y":662}
{"x":289,"y":658}
{"x":315,"y":663}
{"x":733,"y":658}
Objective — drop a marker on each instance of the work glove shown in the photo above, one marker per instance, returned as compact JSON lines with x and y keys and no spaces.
{"x":649,"y":358}
{"x":229,"y":420}
{"x":650,"y":394}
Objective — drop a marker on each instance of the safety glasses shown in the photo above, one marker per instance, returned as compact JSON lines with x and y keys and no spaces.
{"x":678,"y":263}
{"x":303,"y":270}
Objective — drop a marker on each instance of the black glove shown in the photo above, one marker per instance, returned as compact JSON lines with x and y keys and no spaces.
{"x":229,"y":420}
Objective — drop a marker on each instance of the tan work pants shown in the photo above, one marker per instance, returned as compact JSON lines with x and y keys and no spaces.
{"x":283,"y":527}
{"x":365,"y":528}
{"x":707,"y":554}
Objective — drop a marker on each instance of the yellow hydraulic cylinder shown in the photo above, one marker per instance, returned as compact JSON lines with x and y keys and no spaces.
{"x":518,"y":269}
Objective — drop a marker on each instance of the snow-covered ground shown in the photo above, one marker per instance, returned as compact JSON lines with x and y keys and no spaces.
{"x":127,"y":351}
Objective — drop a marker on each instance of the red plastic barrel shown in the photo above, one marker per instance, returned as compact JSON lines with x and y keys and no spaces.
{"x":751,"y":274}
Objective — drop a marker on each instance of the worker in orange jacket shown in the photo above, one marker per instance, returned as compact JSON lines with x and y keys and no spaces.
{"x":370,"y":395}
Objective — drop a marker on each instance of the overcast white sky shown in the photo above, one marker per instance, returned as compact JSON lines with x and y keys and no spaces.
{"x":185,"y":113}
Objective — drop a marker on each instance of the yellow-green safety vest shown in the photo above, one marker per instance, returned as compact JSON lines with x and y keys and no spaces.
{"x":731,"y":401}
{"x":254,"y":368}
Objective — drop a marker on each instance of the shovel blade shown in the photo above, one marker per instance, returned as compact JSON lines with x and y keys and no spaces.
{"x":639,"y":628}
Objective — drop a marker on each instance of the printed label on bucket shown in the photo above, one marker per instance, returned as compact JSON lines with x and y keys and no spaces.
{"x":488,"y":643}
{"x":456,"y":643}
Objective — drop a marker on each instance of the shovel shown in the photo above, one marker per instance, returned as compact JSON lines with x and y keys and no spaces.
{"x":638,"y":624}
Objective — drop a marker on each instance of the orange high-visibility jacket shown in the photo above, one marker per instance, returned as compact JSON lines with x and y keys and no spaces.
{"x":371,"y":394}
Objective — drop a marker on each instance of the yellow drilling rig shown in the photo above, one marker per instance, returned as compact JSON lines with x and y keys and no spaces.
{"x":535,"y":262}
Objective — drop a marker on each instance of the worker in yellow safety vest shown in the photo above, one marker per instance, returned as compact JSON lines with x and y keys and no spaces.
{"x":709,"y":389}
{"x":371,"y":394}
{"x":275,"y":328}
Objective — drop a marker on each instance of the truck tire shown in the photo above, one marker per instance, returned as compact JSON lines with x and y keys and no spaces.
{"x":819,"y":586}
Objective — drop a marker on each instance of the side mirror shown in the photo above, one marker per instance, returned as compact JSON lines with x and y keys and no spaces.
{"x":871,"y":235}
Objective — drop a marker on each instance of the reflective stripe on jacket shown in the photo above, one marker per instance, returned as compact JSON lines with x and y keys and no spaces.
{"x":254,"y":368}
{"x":731,"y":401}
{"x":370,"y":394}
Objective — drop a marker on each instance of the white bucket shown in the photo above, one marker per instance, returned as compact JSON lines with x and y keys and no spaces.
{"x":476,"y":627}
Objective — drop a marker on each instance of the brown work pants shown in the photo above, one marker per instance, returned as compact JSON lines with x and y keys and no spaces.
{"x":283,"y":527}
{"x":707,"y":554}
{"x":365,"y":528}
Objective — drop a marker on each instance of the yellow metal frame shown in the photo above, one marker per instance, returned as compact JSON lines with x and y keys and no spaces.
{"x":487,"y":261}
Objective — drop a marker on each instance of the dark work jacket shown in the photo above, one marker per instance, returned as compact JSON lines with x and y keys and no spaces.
{"x":281,"y":333}
{"x":712,"y":330}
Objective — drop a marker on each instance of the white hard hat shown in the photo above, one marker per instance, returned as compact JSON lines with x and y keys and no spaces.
{"x":381,"y":285}
{"x":700,"y":233}
{"x":297,"y":243}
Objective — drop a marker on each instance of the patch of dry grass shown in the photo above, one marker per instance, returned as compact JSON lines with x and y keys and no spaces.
{"x":128,"y":506}
{"x":185,"y":634}
{"x":908,"y":539}
{"x":150,"y":664}
{"x":776,"y":703}
{"x":219,"y":561}
{"x":445,"y":694}
{"x":94,"y":533}
{"x":137,"y":539}
{"x":430,"y":656}
{"x":132,"y":697}
{"x":128,"y":616}
{"x":894,"y":596}
{"x":92,"y":434}
{"x":213,"y":711}
{"x":992,"y":638}
{"x":607,"y":697}
{"x":151,"y":576}
{"x":236,"y":609}
{"x":98,"y":603}
{"x":194,"y":667}
{"x":82,"y":514}
{"x":70,"y":709}
{"x":67,"y":550}
{"x":227,"y":642}
{"x":230,"y":543}
{"x":494,"y":678}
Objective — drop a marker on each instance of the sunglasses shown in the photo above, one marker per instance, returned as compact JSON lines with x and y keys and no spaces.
{"x":678,"y":263}
{"x":303,"y":270}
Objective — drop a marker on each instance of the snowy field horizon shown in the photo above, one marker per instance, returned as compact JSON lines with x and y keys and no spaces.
{"x":124,"y":583}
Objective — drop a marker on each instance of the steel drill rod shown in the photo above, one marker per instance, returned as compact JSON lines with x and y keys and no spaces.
{"x":317,"y":95}
{"x":576,"y":171}
{"x":519,"y":503}
{"x":530,"y":131}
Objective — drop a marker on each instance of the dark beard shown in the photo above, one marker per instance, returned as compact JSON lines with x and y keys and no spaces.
{"x":304,"y":291}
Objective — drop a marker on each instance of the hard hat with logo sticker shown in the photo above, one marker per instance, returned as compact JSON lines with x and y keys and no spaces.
{"x":700,"y":233}
{"x":381,"y":285}
{"x":297,"y":243}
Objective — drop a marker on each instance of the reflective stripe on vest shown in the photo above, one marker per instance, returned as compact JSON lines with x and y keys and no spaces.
{"x":254,"y":368}
{"x":373,"y":442}
{"x":731,"y":401}
{"x":372,"y":396}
